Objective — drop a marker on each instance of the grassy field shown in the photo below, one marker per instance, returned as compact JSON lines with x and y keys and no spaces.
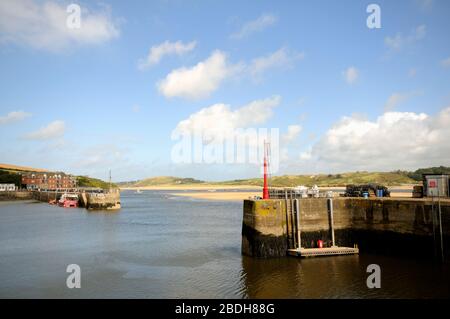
{"x":395,"y":178}
{"x":385,"y":178}
{"x":162,"y":180}
{"x":85,"y":181}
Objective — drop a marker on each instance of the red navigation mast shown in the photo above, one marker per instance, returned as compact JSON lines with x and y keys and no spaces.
{"x":266,"y":164}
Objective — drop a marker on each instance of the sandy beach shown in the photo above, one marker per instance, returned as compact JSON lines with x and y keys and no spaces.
{"x":195,"y":187}
{"x":228,"y":196}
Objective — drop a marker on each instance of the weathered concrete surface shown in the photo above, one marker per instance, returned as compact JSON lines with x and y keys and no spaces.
{"x":92,"y":201}
{"x":103,"y":201}
{"x":15,"y":195}
{"x":264,"y":228}
{"x":391,"y":226}
{"x":46,"y":196}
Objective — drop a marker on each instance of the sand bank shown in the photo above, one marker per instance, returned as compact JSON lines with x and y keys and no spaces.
{"x":228,"y":196}
{"x":204,"y":187}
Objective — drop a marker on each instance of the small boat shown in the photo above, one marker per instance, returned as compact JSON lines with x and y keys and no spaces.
{"x":68,"y":200}
{"x":138,"y":191}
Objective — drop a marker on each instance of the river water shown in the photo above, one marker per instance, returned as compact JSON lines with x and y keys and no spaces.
{"x":164,"y":246}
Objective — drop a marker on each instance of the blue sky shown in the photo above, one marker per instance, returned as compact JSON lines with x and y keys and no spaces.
{"x":355,"y":98}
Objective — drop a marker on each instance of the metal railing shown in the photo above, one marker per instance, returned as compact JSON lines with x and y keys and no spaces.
{"x":293,"y":193}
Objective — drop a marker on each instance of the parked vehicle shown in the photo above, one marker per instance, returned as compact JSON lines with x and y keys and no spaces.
{"x":367,"y":190}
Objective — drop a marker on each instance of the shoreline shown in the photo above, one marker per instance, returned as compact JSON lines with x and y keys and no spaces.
{"x":221,"y":196}
{"x":239,"y":195}
{"x":189,"y":187}
{"x":18,"y":200}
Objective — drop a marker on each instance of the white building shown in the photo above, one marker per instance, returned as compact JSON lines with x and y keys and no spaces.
{"x":7,"y":187}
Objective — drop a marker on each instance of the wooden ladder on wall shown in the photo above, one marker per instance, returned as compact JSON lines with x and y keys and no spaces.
{"x":292,"y":220}
{"x":294,"y":235}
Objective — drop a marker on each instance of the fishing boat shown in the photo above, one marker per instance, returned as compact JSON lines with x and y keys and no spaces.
{"x":138,"y":191}
{"x":68,"y":200}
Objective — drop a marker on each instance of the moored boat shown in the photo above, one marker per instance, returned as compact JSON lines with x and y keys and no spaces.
{"x":68,"y":200}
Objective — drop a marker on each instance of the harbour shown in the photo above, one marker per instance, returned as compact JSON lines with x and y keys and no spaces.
{"x":93,"y":199}
{"x":58,"y":188}
{"x":336,"y":224}
{"x":164,"y":246}
{"x":415,"y":227}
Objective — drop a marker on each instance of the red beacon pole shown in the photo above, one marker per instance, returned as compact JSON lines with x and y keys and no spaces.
{"x":265,"y":188}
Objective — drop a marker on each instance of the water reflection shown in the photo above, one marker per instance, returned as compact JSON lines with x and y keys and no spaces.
{"x":343,"y":277}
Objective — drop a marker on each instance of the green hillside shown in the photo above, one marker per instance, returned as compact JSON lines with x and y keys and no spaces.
{"x":85,"y":181}
{"x":8,"y":177}
{"x":385,"y":178}
{"x":417,"y":175}
{"x":161,"y":181}
{"x":12,"y":174}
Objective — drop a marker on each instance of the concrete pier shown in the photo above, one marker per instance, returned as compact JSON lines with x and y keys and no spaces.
{"x":378,"y":225}
{"x":89,"y":200}
{"x":15,"y":195}
{"x":103,"y":201}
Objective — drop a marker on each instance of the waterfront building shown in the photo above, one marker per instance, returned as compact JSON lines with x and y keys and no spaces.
{"x":34,"y":180}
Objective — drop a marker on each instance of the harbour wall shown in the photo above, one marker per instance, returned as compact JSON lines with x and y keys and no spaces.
{"x":102,"y":201}
{"x":91,"y":201}
{"x":15,"y":195}
{"x":379,"y":225}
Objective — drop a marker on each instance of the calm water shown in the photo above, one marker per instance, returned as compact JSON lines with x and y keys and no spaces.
{"x":161,"y":246}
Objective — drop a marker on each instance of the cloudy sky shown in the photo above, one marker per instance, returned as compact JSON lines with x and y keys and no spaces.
{"x":113,"y":93}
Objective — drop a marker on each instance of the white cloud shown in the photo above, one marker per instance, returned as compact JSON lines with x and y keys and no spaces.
{"x":397,"y":98}
{"x":425,"y":4}
{"x":262,"y":22}
{"x":219,"y":118}
{"x":157,"y":52}
{"x":395,"y":140}
{"x":351,"y":75}
{"x":420,"y":32}
{"x":42,"y":25}
{"x":280,"y":58}
{"x":198,"y":81}
{"x":291,"y":134}
{"x":412,"y":72}
{"x":214,"y":127}
{"x":100,"y":156}
{"x":398,"y":42}
{"x":53,"y":130}
{"x":202,"y":79}
{"x":446,"y":63}
{"x":14,"y":116}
